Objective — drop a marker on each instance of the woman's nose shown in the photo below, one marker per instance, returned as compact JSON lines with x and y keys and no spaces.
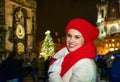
{"x":71,"y":39}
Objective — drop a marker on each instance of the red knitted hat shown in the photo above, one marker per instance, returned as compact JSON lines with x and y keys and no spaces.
{"x":88,"y":31}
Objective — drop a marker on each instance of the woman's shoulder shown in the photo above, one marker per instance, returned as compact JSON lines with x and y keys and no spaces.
{"x":85,"y":62}
{"x":85,"y":68}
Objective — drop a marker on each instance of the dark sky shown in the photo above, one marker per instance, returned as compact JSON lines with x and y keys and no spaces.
{"x":53,"y":15}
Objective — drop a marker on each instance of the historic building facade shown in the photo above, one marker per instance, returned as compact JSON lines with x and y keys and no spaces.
{"x":17,"y":27}
{"x":108,"y":22}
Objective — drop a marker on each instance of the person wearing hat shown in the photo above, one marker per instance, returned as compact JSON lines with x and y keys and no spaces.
{"x":74,"y":62}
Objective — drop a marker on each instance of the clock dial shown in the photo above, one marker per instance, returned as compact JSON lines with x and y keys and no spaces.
{"x":20,"y":31}
{"x":20,"y":48}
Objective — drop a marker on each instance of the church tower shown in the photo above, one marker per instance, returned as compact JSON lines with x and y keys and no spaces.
{"x":108,"y":18}
{"x":108,"y":23}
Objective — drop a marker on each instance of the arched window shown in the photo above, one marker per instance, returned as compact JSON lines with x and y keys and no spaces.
{"x":113,"y":30}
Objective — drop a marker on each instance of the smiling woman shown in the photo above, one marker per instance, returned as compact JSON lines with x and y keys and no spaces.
{"x":75,"y":60}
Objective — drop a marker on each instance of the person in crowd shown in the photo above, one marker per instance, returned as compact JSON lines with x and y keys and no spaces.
{"x":34,"y":65}
{"x":41,"y":71}
{"x":46,"y":66}
{"x":74,"y":62}
{"x":27,"y":67}
{"x":115,"y":70}
{"x":102,"y":68}
{"x":11,"y":68}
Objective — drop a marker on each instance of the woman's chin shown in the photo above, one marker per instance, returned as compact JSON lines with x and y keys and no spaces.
{"x":71,"y":50}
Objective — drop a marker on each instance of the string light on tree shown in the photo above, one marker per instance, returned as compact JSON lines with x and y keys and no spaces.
{"x":47,"y":49}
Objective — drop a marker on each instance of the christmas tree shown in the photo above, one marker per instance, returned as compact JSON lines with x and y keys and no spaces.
{"x":47,"y":49}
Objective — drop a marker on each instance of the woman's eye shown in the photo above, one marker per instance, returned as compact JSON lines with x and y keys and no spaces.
{"x":77,"y":37}
{"x":68,"y":35}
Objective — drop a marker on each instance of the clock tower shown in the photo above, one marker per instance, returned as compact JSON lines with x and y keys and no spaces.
{"x":19,"y":22}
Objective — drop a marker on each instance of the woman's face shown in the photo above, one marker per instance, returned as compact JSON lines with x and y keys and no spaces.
{"x":74,"y":40}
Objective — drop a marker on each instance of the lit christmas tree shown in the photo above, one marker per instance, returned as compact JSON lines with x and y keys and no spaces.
{"x":47,"y":49}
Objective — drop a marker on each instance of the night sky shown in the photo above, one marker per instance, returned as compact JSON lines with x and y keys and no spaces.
{"x":53,"y":15}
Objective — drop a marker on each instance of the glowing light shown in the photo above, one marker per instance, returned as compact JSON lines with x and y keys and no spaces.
{"x":112,"y":57}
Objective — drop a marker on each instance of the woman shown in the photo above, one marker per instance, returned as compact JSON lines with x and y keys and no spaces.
{"x":74,"y":62}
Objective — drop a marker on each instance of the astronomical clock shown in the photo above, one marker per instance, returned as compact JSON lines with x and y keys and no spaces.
{"x":19,"y":30}
{"x":18,"y":26}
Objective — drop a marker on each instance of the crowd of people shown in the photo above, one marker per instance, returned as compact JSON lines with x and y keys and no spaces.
{"x":16,"y":69}
{"x":108,"y":68}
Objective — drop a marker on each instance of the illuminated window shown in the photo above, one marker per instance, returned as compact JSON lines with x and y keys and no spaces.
{"x":113,"y":10}
{"x":111,"y":49}
{"x":118,"y":44}
{"x":109,"y":45}
{"x":113,"y":40}
{"x":113,"y":45}
{"x":116,"y":48}
{"x":106,"y":45}
{"x":106,"y":40}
